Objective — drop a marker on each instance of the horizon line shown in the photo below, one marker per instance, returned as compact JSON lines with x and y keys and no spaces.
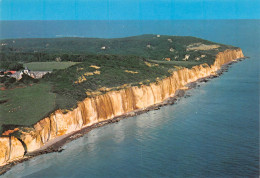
{"x":120,"y":19}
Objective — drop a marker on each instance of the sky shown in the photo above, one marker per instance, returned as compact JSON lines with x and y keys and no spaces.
{"x":128,"y":9}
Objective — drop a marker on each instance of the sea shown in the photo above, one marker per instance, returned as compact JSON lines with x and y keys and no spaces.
{"x":212,"y":132}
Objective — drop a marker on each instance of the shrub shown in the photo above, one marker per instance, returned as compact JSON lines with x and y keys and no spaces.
{"x":26,"y":79}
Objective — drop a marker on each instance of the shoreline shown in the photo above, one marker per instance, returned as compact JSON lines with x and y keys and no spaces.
{"x":55,"y":145}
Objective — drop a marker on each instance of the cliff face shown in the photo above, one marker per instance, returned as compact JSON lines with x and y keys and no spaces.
{"x":10,"y":149}
{"x":107,"y":106}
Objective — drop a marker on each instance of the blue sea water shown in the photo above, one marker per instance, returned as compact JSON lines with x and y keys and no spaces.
{"x":212,"y":133}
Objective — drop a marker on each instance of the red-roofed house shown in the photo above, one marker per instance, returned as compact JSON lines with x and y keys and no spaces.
{"x":11,"y":71}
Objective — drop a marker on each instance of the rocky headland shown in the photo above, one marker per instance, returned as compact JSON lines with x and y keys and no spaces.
{"x":50,"y":133}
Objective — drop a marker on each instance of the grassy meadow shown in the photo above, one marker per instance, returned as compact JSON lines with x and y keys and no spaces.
{"x":48,"y":66}
{"x":26,"y":106}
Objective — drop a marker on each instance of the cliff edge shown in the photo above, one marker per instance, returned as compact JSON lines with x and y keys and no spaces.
{"x":104,"y":107}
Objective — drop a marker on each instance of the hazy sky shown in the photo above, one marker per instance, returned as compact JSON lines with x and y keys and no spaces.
{"x":128,"y":9}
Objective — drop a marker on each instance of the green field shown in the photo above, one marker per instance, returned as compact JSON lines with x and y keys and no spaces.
{"x":26,"y":106}
{"x":48,"y":66}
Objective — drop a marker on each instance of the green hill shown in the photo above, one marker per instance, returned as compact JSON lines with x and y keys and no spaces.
{"x":78,"y":49}
{"x":101,"y":65}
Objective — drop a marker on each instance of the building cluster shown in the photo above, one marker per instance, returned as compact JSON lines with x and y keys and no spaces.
{"x":18,"y":74}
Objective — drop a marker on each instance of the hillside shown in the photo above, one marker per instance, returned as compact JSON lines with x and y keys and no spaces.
{"x":156,"y":47}
{"x":104,"y":65}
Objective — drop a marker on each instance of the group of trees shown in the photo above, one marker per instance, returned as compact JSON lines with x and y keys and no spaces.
{"x":10,"y":82}
{"x":43,"y":57}
{"x":8,"y":65}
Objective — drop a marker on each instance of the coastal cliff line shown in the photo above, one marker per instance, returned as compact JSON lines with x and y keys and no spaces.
{"x":104,"y":107}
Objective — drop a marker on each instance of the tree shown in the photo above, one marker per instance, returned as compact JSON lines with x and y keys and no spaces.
{"x":15,"y":66}
{"x":8,"y":65}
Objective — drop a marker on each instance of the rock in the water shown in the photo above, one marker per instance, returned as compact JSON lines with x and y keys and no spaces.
{"x":191,"y":85}
{"x":179,"y":93}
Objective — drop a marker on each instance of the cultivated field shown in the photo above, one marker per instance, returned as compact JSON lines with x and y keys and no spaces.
{"x":48,"y":66}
